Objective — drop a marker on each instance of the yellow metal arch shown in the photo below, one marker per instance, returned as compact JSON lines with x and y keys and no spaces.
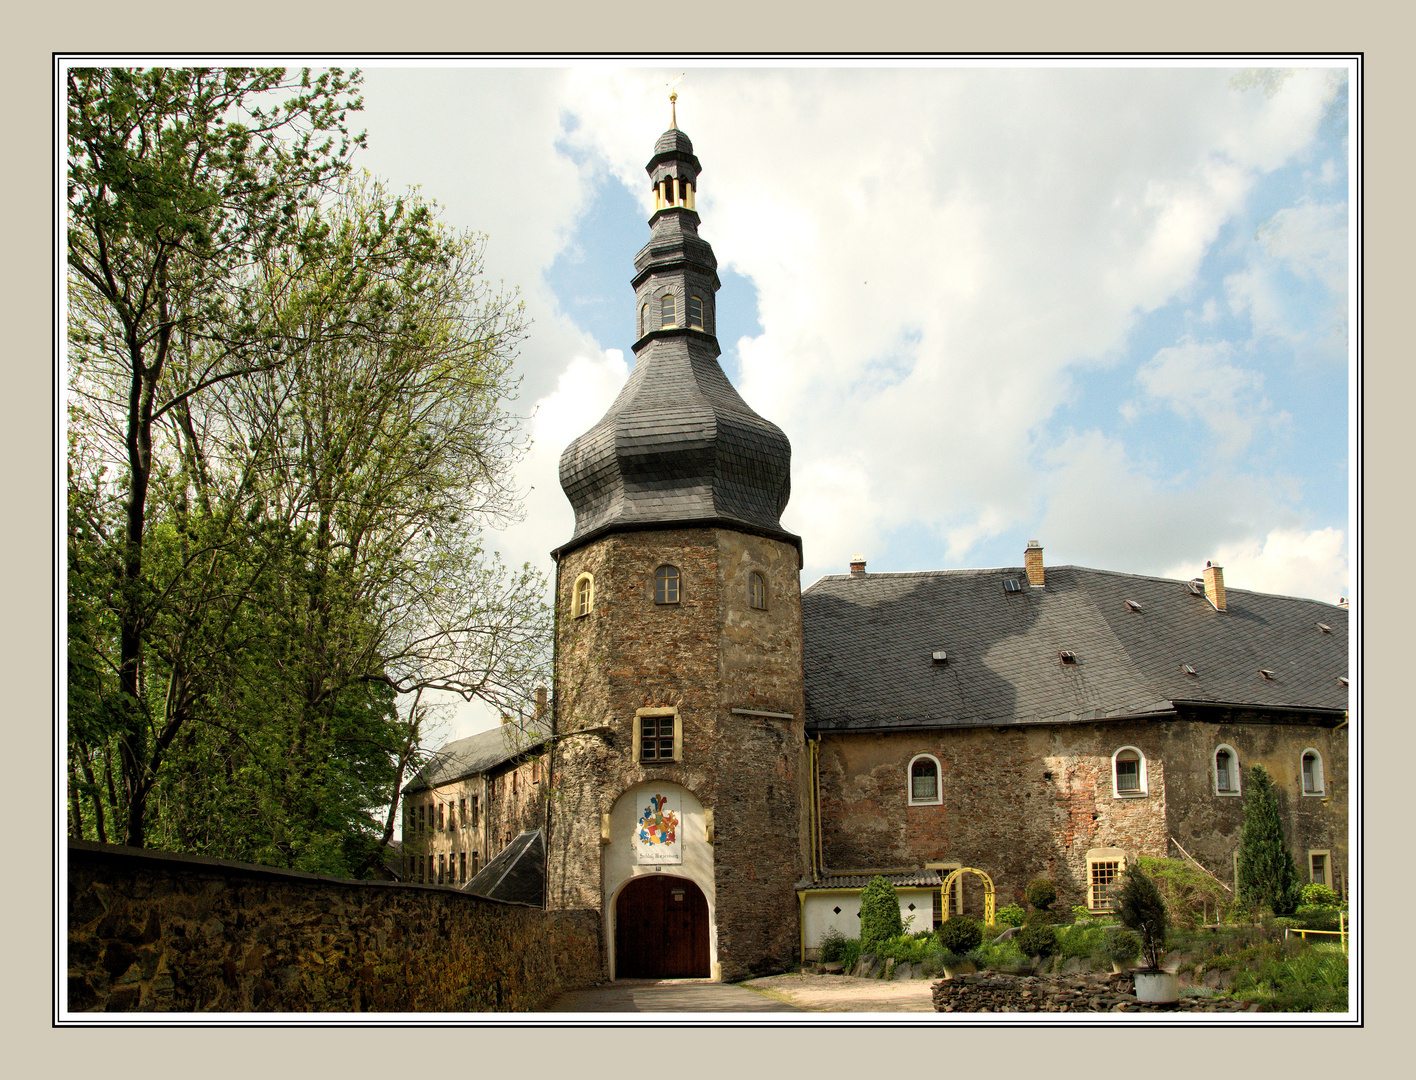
{"x":987,"y":892}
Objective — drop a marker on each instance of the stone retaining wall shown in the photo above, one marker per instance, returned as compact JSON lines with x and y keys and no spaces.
{"x":993,"y":992}
{"x":153,"y":931}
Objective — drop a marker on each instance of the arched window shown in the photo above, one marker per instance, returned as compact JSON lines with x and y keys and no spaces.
{"x":1313,"y":773}
{"x":756,"y":591}
{"x":695,"y":312}
{"x":666,"y":585}
{"x":924,"y":781}
{"x":643,"y":319}
{"x":584,"y":596}
{"x":1226,"y":771}
{"x":1128,"y":773}
{"x":666,"y":310}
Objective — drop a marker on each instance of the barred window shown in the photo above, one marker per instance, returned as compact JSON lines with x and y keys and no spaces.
{"x":656,"y":738}
{"x":1103,"y":881}
{"x":666,"y":585}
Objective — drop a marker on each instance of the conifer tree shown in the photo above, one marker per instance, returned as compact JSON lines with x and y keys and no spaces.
{"x":1267,"y":874}
{"x":879,"y":913}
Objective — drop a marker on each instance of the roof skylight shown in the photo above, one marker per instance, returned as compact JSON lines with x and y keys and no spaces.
{"x":1011,"y":585}
{"x":1325,"y":628}
{"x":1266,"y":673}
{"x":1133,"y":605}
{"x":1189,"y":670}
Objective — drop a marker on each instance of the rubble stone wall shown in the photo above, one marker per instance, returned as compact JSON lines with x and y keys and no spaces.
{"x":154,"y":931}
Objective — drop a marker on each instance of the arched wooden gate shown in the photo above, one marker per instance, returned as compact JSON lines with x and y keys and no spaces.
{"x":987,"y":892}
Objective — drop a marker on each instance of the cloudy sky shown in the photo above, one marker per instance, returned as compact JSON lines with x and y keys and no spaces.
{"x":1103,"y":308}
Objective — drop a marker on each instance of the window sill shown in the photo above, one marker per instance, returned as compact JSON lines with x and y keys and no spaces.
{"x":1131,"y":795}
{"x":926,"y":802}
{"x":1315,"y":794}
{"x":1228,"y":794}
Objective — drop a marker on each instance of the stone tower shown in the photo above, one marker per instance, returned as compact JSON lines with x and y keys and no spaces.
{"x":680,"y":786}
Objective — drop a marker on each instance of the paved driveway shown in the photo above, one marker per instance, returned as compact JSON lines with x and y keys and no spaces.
{"x":667,"y":995}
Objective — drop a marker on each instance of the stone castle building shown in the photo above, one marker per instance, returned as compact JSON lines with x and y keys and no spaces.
{"x":725,"y":759}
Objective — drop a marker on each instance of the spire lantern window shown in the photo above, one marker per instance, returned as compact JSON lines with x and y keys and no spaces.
{"x":667,"y":315}
{"x":695,"y":312}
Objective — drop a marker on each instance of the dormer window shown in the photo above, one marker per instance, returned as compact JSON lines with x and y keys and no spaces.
{"x":666,"y":311}
{"x":695,"y":312}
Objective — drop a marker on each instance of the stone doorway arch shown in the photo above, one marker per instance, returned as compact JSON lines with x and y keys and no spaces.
{"x":661,"y":929}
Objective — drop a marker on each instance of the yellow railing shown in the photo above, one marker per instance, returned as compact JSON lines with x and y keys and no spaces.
{"x":1340,"y":932}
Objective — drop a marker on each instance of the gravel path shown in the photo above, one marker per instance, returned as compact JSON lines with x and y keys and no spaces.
{"x":845,"y":993}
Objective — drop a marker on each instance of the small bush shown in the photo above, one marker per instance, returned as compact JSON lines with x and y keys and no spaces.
{"x":1318,"y":893}
{"x":1041,"y":893}
{"x":1012,"y":915}
{"x":1081,"y":914}
{"x":1317,"y":916}
{"x":960,"y":934}
{"x":1036,"y":940}
{"x":879,"y":913}
{"x":833,"y":946}
{"x":1040,"y":917}
{"x":1003,"y":957}
{"x":1121,"y":947}
{"x":850,"y":954}
{"x":1081,"y":939}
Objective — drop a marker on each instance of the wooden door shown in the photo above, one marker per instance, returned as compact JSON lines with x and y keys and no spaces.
{"x":661,"y":929}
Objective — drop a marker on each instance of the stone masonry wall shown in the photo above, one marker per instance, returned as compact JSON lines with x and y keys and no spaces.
{"x":706,"y":655}
{"x":153,"y":931}
{"x":1024,"y":802}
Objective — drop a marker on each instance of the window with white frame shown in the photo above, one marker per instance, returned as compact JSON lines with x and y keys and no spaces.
{"x":1128,"y":773}
{"x":583,"y":597}
{"x":1313,"y":773}
{"x":695,"y":312}
{"x":1226,"y":771}
{"x":924,"y":781}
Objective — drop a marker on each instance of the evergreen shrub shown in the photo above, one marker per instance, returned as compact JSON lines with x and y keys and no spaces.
{"x":1142,"y":909}
{"x":1041,"y":893}
{"x":879,"y":914}
{"x":1268,"y":877}
{"x":1121,"y":947}
{"x":1036,"y":940}
{"x":960,"y":934}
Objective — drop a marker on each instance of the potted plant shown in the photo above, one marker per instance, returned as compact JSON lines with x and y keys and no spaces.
{"x":1121,"y":948}
{"x":1143,"y":911}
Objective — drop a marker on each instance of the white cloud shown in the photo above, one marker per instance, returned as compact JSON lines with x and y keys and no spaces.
{"x":935,"y":253}
{"x":1201,"y":381}
{"x":1290,"y":562}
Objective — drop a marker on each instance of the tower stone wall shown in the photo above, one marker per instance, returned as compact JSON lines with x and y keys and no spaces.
{"x":707,"y":655}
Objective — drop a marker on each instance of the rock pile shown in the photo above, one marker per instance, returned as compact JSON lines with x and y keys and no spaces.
{"x":996,"y":992}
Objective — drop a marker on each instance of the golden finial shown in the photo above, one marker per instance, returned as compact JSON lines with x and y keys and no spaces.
{"x":672,"y":84}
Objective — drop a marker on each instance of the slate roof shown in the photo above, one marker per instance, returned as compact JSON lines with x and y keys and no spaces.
{"x":517,"y":874}
{"x":869,"y":640}
{"x":679,"y":446}
{"x":478,"y":753}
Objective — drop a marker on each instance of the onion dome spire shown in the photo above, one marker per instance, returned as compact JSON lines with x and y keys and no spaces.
{"x":679,"y":446}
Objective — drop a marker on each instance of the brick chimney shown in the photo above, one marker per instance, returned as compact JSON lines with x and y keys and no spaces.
{"x":540,"y":700}
{"x":1214,"y":585}
{"x":1032,"y":563}
{"x":857,"y":566}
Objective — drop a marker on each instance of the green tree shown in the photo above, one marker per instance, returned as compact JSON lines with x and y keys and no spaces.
{"x":1268,"y":876}
{"x":1142,"y":909}
{"x":179,"y":182}
{"x":319,"y":406}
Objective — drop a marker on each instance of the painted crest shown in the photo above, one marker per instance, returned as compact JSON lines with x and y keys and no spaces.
{"x":657,"y":838}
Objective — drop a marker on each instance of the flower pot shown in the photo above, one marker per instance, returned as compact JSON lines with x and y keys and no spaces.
{"x":1118,"y":968}
{"x":1158,"y":986}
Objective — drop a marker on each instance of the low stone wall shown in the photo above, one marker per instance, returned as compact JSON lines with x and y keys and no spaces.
{"x":993,"y":992}
{"x":154,"y":931}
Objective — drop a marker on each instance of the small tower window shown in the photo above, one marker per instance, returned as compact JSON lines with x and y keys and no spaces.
{"x":1313,"y":773}
{"x":666,"y":585}
{"x":666,"y":310}
{"x":1226,"y":771}
{"x":643,"y":319}
{"x":695,"y":312}
{"x":756,"y":591}
{"x":584,"y":596}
